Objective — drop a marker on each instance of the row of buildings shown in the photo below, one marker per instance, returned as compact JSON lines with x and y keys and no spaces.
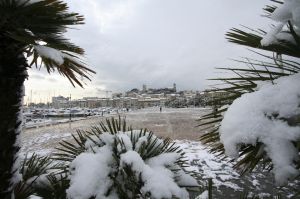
{"x":117,"y":102}
{"x":136,"y":99}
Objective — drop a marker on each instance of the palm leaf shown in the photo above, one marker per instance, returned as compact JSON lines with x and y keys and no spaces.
{"x":31,"y":170}
{"x":45,"y":28}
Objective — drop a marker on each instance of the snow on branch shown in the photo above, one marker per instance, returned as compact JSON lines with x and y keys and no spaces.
{"x":50,"y":53}
{"x":266,"y":116}
{"x":289,"y":11}
{"x":58,"y":56}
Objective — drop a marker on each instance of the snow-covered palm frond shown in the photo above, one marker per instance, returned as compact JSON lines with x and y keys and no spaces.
{"x":125,"y":163}
{"x":43,"y":177}
{"x":32,"y":170}
{"x":241,"y":81}
{"x":251,"y":79}
{"x":53,"y":187}
{"x":38,"y":27}
{"x":253,"y":39}
{"x":68,"y":151}
{"x":284,"y":38}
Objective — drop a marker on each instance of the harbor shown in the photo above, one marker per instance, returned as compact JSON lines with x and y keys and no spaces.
{"x":39,"y":117}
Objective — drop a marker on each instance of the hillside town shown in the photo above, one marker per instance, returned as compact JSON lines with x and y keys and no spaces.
{"x":135,"y":99}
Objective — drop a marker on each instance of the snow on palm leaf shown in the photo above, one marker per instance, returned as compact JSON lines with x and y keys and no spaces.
{"x":262,"y":123}
{"x":41,"y":36}
{"x":115,"y":162}
{"x":267,"y":116}
{"x":287,"y":13}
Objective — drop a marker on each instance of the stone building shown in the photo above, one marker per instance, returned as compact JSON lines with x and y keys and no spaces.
{"x":60,"y":102}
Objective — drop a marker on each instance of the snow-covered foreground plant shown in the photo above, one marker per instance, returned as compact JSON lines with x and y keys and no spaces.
{"x":117,"y":162}
{"x":269,"y":116}
{"x":257,"y":120}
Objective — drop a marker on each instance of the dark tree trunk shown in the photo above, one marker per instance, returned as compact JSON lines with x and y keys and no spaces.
{"x":13,"y":68}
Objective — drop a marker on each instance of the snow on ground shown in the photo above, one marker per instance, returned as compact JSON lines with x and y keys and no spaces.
{"x":220,"y":171}
{"x":226,"y":181}
{"x":173,"y":123}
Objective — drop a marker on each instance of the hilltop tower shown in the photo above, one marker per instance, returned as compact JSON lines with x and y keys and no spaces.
{"x":144,"y":88}
{"x":174,"y":87}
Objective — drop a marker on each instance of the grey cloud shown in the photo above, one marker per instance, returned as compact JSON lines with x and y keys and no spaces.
{"x":160,"y":42}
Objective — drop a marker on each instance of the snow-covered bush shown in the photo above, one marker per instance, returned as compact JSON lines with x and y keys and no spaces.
{"x":267,"y":116}
{"x":114,"y":162}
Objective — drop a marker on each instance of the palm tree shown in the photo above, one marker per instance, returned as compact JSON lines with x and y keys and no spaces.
{"x":30,"y":29}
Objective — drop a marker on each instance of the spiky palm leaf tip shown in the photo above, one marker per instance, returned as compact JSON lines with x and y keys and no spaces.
{"x":34,"y":172}
{"x":37,"y":27}
{"x":42,"y":177}
{"x":111,"y":160}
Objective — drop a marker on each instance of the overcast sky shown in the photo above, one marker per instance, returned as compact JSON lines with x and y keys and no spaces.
{"x":153,"y":42}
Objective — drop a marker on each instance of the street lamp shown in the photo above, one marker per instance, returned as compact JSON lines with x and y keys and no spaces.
{"x":70,"y":116}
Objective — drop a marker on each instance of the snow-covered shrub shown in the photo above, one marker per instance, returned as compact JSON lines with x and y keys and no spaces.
{"x":267,"y":116}
{"x":112,"y":161}
{"x":270,"y":115}
{"x":259,"y":125}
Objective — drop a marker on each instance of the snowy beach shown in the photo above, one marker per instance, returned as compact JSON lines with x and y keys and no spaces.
{"x":172,"y":123}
